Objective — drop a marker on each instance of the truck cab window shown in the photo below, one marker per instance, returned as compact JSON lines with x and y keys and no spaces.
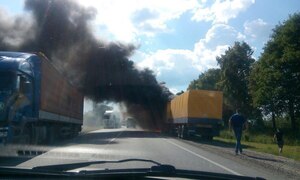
{"x":7,"y":80}
{"x":26,"y":67}
{"x":25,"y":86}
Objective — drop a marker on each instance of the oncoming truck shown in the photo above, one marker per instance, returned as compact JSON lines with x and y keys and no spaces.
{"x":37,"y":104}
{"x":111,"y":120}
{"x":195,"y":112}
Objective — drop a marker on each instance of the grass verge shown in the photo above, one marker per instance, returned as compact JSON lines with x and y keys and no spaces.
{"x":289,"y":151}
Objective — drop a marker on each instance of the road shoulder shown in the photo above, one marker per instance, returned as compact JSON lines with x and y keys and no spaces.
{"x":278,"y":164}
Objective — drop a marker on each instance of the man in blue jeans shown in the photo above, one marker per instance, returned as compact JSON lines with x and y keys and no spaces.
{"x":237,"y":122}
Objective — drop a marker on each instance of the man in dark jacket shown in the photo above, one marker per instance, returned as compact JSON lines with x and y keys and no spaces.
{"x":278,"y":136}
{"x":237,"y":122}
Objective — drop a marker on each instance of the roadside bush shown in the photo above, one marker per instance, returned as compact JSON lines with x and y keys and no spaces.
{"x":226,"y":134}
{"x":247,"y":138}
{"x":263,"y":137}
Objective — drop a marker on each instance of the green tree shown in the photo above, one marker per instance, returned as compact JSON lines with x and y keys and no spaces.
{"x":235,"y":67}
{"x":275,"y":83}
{"x":263,"y":81}
{"x":207,"y":80}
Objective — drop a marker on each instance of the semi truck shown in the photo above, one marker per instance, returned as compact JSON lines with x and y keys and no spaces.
{"x":195,"y":112}
{"x":37,"y":103}
{"x":111,"y":120}
{"x":131,"y":122}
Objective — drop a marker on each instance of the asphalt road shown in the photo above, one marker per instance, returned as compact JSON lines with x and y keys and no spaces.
{"x":117,"y":144}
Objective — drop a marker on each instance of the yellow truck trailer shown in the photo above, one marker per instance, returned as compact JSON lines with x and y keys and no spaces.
{"x":196,"y":112}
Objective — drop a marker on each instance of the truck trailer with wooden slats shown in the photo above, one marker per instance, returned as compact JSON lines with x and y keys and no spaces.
{"x":195,"y":112}
{"x":37,"y":103}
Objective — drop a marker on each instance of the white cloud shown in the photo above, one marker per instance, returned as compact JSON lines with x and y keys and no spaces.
{"x":221,"y":34}
{"x":218,"y":38}
{"x":257,"y":33}
{"x":221,"y":11}
{"x":126,"y":20}
{"x":169,"y":59}
{"x":177,"y":67}
{"x":257,"y":29}
{"x":174,"y":90}
{"x":173,"y":66}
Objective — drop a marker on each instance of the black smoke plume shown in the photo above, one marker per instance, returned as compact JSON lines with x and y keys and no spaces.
{"x":61,"y":29}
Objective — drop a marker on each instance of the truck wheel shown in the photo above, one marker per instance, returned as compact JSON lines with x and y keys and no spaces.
{"x":75,"y":132}
{"x":208,"y":138}
{"x":185,"y":132}
{"x":51,"y":135}
{"x":25,"y":139}
{"x":179,"y":131}
{"x":34,"y":136}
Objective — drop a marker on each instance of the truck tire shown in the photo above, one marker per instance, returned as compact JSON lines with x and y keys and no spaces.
{"x":51,"y":135}
{"x":34,"y":135}
{"x":207,"y":137}
{"x":185,"y":134}
{"x":182,"y":132}
{"x":210,"y":138}
{"x":75,"y":131}
{"x":25,"y":138}
{"x":179,"y":134}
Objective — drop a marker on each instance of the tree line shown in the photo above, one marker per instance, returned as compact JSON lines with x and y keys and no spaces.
{"x":266,"y":87}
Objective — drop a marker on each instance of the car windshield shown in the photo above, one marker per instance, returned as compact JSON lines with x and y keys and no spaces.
{"x":195,"y":85}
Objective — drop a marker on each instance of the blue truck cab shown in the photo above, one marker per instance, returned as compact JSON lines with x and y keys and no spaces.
{"x":21,"y":120}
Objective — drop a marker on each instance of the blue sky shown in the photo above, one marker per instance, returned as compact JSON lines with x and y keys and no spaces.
{"x":179,"y":39}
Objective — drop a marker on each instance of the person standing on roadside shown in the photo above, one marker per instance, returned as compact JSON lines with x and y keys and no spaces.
{"x":279,"y":139}
{"x":237,"y":122}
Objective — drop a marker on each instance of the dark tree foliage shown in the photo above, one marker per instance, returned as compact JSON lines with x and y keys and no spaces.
{"x":179,"y":93}
{"x":236,"y":66}
{"x":207,"y":80}
{"x":275,"y":80}
{"x":233,"y":79}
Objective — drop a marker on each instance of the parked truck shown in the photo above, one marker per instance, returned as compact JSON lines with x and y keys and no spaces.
{"x":195,"y":112}
{"x":37,"y":104}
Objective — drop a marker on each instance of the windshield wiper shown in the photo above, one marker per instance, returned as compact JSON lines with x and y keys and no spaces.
{"x":71,"y":166}
{"x":158,"y":170}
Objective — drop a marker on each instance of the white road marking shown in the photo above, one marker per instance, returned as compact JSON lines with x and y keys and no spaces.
{"x":215,"y":163}
{"x":112,"y":140}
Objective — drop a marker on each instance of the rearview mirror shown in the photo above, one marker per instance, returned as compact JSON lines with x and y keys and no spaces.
{"x":27,"y":86}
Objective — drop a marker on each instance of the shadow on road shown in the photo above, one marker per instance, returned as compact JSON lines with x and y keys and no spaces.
{"x":12,"y":161}
{"x":105,"y":137}
{"x":231,"y":145}
{"x":17,"y":154}
{"x":216,"y":143}
{"x":227,"y":144}
{"x":264,"y":159}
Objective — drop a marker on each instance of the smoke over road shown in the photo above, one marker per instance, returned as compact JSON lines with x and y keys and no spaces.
{"x":102,"y":70}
